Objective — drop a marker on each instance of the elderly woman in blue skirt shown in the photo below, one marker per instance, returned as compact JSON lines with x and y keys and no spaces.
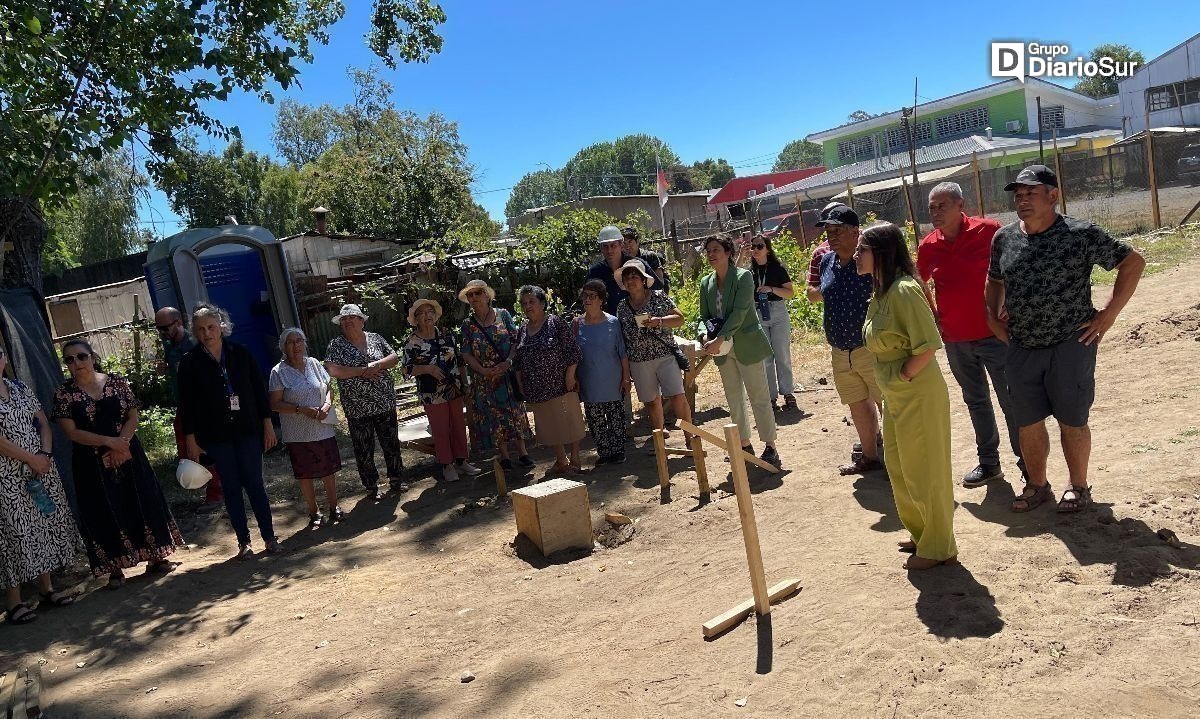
{"x":300,"y":391}
{"x":603,"y":373}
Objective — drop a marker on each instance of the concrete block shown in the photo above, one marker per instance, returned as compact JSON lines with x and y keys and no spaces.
{"x":554,"y":515}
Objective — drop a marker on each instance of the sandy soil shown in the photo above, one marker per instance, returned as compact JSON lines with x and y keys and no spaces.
{"x":1087,"y":615}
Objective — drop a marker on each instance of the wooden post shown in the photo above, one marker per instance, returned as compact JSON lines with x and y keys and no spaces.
{"x":978,"y":184}
{"x":498,"y":472}
{"x":674,"y":240}
{"x":137,"y":338}
{"x":1062,"y":192}
{"x":1155,"y":214}
{"x":660,"y":453}
{"x":850,"y":195}
{"x":908,"y":204}
{"x":701,"y":468}
{"x":800,"y":222}
{"x":741,"y":486}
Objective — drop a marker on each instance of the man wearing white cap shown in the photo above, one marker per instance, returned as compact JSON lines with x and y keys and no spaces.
{"x":613,"y":252}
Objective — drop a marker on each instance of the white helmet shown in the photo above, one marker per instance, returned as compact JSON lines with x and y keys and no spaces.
{"x":609,"y":233}
{"x":192,"y":475}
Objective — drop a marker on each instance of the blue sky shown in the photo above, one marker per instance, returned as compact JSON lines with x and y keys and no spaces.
{"x":533,"y":82}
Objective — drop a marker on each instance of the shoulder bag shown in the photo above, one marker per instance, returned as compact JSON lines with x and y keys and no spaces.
{"x":514,"y":387}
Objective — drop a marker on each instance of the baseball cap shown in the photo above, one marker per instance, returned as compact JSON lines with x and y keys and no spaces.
{"x":630,"y":232}
{"x":1034,"y":175}
{"x":838,"y":215}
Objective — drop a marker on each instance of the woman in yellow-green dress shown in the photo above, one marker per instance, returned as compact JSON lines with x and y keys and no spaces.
{"x":902,"y":334}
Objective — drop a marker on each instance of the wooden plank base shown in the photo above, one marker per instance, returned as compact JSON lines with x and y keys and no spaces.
{"x":714,"y":439}
{"x":722,"y":622}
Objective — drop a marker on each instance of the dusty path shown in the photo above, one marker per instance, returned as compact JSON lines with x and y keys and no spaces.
{"x":1048,"y":616}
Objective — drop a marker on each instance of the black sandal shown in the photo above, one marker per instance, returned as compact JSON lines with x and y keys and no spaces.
{"x":14,"y":615}
{"x":316,"y":521}
{"x":57,"y":599}
{"x":1080,"y":502}
{"x":1033,"y":501}
{"x":862,"y":465}
{"x":337,"y":515}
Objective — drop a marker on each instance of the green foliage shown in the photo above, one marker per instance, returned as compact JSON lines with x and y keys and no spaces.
{"x":805,"y":316}
{"x":156,"y":430}
{"x":625,"y":166}
{"x":561,"y":248}
{"x":702,"y":175}
{"x":1105,"y":86}
{"x":797,"y":155}
{"x":685,"y":293}
{"x":151,"y":386}
{"x":100,"y":221}
{"x":536,"y":189}
{"x":859,"y":116}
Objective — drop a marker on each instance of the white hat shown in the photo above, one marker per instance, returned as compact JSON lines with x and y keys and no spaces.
{"x":636,"y":264}
{"x":412,"y":311}
{"x":609,"y":233}
{"x":476,"y":285}
{"x":349,"y":311}
{"x":192,"y":475}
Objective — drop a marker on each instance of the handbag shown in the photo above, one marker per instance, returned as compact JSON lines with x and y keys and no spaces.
{"x":680,"y":358}
{"x":514,"y":387}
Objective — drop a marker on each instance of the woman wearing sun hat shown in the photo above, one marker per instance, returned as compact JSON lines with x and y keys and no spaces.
{"x":497,"y":413}
{"x":431,"y":357}
{"x":362,"y":363}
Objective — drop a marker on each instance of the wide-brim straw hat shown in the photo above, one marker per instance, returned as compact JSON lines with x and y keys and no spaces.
{"x":476,"y":285}
{"x":636,"y":264}
{"x":412,"y":311}
{"x":348,"y":311}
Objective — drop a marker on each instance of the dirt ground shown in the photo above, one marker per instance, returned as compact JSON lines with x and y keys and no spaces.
{"x":1081,"y":615}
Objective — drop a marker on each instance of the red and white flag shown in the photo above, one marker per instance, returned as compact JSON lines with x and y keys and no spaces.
{"x":662,"y":188}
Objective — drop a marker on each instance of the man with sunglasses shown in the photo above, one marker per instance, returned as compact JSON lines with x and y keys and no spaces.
{"x":612,"y":257}
{"x":631,"y":244}
{"x":177,"y":342}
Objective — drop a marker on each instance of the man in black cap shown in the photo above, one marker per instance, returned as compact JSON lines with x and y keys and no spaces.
{"x":631,"y":244}
{"x":846,"y":295}
{"x":1039,"y":300}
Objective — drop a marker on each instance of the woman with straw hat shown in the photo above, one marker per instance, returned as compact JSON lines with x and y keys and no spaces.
{"x":301,"y":392}
{"x":431,"y":357}
{"x":362,"y":364}
{"x":497,"y":412}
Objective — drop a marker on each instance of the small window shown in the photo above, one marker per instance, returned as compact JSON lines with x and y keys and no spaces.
{"x":65,"y":317}
{"x":921,"y":132}
{"x":1054,"y":116}
{"x":857,"y":149}
{"x":975,"y":118}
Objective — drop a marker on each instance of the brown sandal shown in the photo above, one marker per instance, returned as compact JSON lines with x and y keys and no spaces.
{"x":908,"y":546}
{"x":1032,"y":501}
{"x":1080,"y":501}
{"x":862,"y":465}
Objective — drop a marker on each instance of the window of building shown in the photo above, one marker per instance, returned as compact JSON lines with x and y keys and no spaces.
{"x":1164,"y":97}
{"x":896,"y":139}
{"x":856,"y":149}
{"x":1053,"y":116}
{"x":975,"y":118}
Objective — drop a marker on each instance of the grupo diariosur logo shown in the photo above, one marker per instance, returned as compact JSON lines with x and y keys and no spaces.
{"x":1035,"y":59}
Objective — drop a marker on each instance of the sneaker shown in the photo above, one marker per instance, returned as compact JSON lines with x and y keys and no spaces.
{"x":469,"y":469}
{"x":982,"y":474}
{"x":449,"y":473}
{"x":526,"y":461}
{"x":789,"y":402}
{"x":245,"y":552}
{"x":770,"y":456}
{"x":747,"y":448}
{"x":273,"y":547}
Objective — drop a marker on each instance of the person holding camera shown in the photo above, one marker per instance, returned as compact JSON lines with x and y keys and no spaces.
{"x":772,"y":289}
{"x":656,"y":364}
{"x":432,"y":358}
{"x":735,"y":338}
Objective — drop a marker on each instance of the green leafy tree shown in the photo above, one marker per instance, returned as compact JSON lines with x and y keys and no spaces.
{"x":701,"y":175}
{"x":625,"y":166}
{"x":84,"y":78}
{"x":302,"y":133}
{"x":100,"y":221}
{"x":1105,"y":86}
{"x":563,"y":243}
{"x":797,"y":155}
{"x":536,"y":189}
{"x":859,"y":116}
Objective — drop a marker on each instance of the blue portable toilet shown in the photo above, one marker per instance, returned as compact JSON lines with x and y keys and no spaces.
{"x":241,"y":268}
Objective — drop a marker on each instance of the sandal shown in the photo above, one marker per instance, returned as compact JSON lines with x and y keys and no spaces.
{"x":17,"y":616}
{"x":57,"y":599}
{"x":337,"y":515}
{"x":115,"y":581}
{"x":908,"y":546}
{"x":789,"y":402}
{"x":273,"y":547}
{"x":377,"y":494}
{"x":244,"y":552}
{"x":917,"y":564}
{"x":1031,"y":501}
{"x":1077,"y":503}
{"x":316,"y":521}
{"x":161,"y":567}
{"x":862,"y":465}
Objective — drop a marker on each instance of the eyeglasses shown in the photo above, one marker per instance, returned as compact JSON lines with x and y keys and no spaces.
{"x":758,"y":247}
{"x":71,"y":359}
{"x":588,"y":296}
{"x":475,"y":293}
{"x":164,"y":328}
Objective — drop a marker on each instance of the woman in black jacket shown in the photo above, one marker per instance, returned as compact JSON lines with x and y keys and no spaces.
{"x":225,"y":413}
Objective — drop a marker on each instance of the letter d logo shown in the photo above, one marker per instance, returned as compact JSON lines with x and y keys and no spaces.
{"x":1008,"y":60}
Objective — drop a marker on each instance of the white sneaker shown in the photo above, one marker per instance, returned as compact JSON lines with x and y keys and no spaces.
{"x":449,"y":473}
{"x":469,"y":469}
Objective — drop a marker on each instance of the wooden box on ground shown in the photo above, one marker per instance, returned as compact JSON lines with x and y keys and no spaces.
{"x":554,"y":515}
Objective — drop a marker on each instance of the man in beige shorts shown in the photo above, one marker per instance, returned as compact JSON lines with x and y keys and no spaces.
{"x":846,"y":294}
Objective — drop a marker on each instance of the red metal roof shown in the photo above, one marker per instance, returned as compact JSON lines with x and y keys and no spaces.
{"x":737,"y":189}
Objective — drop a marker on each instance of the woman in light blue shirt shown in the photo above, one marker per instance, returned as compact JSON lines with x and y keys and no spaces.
{"x":603,"y":373}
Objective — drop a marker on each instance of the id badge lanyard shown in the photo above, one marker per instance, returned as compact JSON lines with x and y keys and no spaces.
{"x":235,"y":403}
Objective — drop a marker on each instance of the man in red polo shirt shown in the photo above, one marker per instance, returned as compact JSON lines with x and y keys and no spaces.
{"x":955,"y":257}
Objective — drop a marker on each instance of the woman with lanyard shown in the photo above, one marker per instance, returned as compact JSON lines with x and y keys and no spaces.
{"x":726,"y":303}
{"x":226,"y":414}
{"x":772,"y":288}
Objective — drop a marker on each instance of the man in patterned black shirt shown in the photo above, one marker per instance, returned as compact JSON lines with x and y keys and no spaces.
{"x":1039,"y":300}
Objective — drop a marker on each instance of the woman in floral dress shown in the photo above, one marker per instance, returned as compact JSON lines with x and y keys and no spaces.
{"x":497,"y":415}
{"x":123,"y":515}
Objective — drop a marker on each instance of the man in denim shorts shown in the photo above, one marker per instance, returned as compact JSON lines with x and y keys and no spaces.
{"x":1039,"y":300}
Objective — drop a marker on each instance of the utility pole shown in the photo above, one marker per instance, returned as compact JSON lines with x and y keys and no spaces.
{"x":1041,"y":149}
{"x":905,"y":115}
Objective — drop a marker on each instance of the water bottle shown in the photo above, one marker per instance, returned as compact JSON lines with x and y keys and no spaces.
{"x":41,"y":498}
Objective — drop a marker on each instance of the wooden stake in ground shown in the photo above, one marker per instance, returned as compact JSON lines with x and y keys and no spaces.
{"x":660,"y":453}
{"x":701,"y":469}
{"x":741,"y":486}
{"x":498,"y":471}
{"x":737,"y":446}
{"x":1152,"y":176}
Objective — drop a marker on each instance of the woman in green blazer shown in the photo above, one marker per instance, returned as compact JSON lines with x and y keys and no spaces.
{"x":728,"y":294}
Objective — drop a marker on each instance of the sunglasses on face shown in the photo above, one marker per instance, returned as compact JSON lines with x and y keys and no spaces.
{"x":758,"y":247}
{"x":475,"y":293}
{"x":71,"y":359}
